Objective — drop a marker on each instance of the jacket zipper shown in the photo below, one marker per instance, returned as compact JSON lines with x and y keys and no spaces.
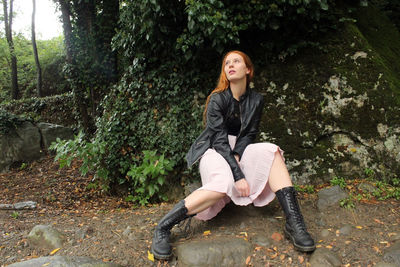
{"x":241,"y":121}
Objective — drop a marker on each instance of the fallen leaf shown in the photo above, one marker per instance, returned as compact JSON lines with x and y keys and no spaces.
{"x":301,"y":259}
{"x":347,"y":242}
{"x":377,"y":250}
{"x":329,"y":246}
{"x":46,"y":264}
{"x":256,"y":248}
{"x":273,"y":256}
{"x":150,"y":256}
{"x":359,"y":227}
{"x":206,"y":233}
{"x":54,"y":251}
{"x":276,"y":236}
{"x":244,"y":233}
{"x":282,"y":257}
{"x":248,"y":260}
{"x":378,"y":221}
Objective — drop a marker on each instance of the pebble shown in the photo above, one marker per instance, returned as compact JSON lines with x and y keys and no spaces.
{"x":346,"y":230}
{"x":325,"y":233}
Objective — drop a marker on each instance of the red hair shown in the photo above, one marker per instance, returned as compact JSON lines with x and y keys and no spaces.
{"x":223,"y":82}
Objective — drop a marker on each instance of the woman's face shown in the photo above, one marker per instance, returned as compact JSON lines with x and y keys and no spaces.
{"x":235,"y":67}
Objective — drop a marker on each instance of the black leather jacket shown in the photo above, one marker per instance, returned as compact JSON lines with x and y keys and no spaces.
{"x":215,"y":135}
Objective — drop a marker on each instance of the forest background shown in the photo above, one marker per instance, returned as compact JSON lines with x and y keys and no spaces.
{"x":131,"y":77}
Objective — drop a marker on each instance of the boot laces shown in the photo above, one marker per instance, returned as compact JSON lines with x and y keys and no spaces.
{"x":164,"y":233}
{"x":297,"y":216}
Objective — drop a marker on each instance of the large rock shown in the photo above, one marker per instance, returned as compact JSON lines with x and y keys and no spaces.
{"x":24,"y":143}
{"x":392,"y":254}
{"x":64,"y":261}
{"x":45,"y":236}
{"x":50,"y":132}
{"x":337,"y":112}
{"x":330,"y":196}
{"x":221,"y":252}
{"x":323,"y":257}
{"x":20,"y":145}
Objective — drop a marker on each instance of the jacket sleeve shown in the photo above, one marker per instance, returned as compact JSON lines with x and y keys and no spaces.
{"x":250,"y":134}
{"x":219,"y":134}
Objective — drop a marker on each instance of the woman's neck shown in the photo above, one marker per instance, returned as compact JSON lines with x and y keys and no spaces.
{"x":238,"y":88}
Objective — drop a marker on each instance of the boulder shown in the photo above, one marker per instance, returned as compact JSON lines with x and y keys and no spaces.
{"x":27,"y":142}
{"x":219,"y":252}
{"x":330,"y":196}
{"x":323,"y":257}
{"x":20,"y":145}
{"x":45,"y":236}
{"x":50,"y":132}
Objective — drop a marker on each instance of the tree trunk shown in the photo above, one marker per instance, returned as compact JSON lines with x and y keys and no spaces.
{"x":78,"y":95}
{"x":8,"y":29}
{"x":67,"y":28}
{"x":35,"y":53}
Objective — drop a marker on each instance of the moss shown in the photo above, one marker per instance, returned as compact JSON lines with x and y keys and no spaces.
{"x":384,"y":38}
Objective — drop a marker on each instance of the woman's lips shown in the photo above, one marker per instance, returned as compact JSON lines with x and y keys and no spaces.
{"x":232,"y":72}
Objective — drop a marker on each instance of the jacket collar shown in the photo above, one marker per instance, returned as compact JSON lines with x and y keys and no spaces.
{"x":243,"y":97}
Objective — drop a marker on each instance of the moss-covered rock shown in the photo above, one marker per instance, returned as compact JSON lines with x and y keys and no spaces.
{"x":335,"y":110}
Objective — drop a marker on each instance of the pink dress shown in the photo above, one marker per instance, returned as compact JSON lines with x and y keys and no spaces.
{"x":216,"y":175}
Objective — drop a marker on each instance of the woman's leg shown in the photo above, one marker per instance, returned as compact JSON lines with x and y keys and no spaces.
{"x":200,"y":200}
{"x":196,"y":202}
{"x":279,"y":176}
{"x":295,"y":228}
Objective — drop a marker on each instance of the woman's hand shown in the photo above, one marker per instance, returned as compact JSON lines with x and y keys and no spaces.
{"x":242,"y":187}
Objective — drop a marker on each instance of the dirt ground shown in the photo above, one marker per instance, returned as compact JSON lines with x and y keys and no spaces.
{"x":108,"y":228}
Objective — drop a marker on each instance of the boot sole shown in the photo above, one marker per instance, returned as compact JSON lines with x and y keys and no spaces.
{"x":296,"y":246}
{"x":159,"y":256}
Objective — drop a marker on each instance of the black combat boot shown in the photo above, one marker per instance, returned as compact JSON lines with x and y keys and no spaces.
{"x":160,"y":247}
{"x":295,"y":228}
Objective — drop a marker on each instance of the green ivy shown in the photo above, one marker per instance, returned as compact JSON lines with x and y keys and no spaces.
{"x":9,"y":121}
{"x":148,"y":176}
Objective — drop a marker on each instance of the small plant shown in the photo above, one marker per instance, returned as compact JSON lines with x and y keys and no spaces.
{"x":370,"y":173}
{"x":92,"y":186}
{"x":23,"y":166}
{"x":340,"y":181}
{"x":396,"y":182}
{"x":15,"y":214}
{"x":309,"y":189}
{"x":148,"y":177}
{"x":347,"y":203}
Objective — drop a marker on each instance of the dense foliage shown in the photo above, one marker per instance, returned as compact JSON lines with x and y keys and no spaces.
{"x":171,"y":54}
{"x":52,"y":59}
{"x":9,"y":121}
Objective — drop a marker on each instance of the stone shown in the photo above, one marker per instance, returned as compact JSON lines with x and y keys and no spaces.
{"x":262,"y":241}
{"x":330,"y":196}
{"x":219,"y":252}
{"x":45,"y":236}
{"x":325,"y":233}
{"x":392,"y":254}
{"x":64,"y":261}
{"x":345,"y":230}
{"x":190,"y":187}
{"x":385,"y":264}
{"x":323,"y":257}
{"x":20,"y":145}
{"x":50,"y":133}
{"x":366,"y":187}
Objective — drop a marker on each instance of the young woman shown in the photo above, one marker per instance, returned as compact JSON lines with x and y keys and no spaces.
{"x":231,"y":166}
